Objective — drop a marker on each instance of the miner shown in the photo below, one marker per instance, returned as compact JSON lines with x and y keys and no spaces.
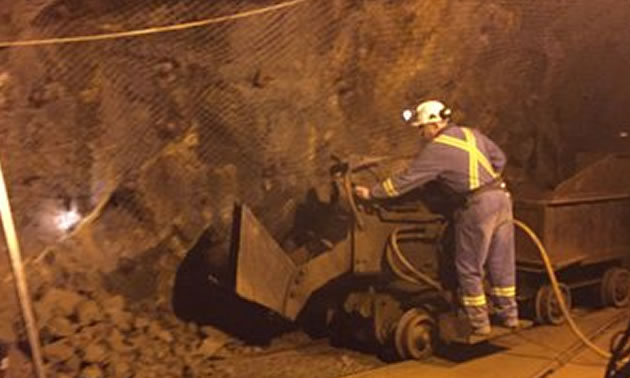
{"x":469,"y":164}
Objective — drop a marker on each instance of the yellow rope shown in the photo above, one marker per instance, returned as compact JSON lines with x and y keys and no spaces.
{"x":153,"y":30}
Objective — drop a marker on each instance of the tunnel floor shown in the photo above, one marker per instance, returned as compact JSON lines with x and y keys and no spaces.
{"x":543,"y":351}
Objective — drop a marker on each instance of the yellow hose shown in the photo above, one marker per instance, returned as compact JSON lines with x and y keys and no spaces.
{"x":556,"y":290}
{"x":419,"y":276}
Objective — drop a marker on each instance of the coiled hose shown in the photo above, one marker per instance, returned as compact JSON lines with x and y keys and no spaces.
{"x":415,"y":276}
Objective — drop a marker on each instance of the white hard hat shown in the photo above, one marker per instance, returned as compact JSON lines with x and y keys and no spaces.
{"x":427,"y":112}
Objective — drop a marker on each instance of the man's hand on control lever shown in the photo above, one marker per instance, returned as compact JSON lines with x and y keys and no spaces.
{"x":362,"y":192}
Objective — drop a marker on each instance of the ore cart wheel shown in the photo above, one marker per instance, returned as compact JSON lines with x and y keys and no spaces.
{"x":414,"y":335}
{"x":547,"y":309}
{"x":615,"y":288}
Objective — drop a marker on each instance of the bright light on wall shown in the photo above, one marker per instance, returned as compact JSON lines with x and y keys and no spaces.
{"x":66,"y":219}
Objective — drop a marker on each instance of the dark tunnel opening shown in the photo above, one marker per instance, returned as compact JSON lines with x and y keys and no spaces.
{"x":200,"y":298}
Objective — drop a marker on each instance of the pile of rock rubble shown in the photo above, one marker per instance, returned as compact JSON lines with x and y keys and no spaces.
{"x":100,"y":337}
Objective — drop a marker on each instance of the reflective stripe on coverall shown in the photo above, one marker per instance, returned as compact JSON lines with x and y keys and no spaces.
{"x":466,"y":160}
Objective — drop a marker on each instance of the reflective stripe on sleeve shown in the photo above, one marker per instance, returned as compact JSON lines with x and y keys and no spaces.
{"x":388,"y":185}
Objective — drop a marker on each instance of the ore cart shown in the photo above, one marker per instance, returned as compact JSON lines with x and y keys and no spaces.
{"x":584,"y":225}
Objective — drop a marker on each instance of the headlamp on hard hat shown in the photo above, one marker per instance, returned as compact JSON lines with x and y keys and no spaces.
{"x":408,"y":115}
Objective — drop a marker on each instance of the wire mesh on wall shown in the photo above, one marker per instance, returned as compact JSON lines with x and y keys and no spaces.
{"x":169,"y":127}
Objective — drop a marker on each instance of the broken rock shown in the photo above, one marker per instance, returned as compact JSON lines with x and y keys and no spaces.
{"x":57,"y":302}
{"x":91,"y":372}
{"x":73,"y":364}
{"x":122,"y":319}
{"x":91,"y":334}
{"x":114,"y":304}
{"x":209,"y":347}
{"x":58,"y":351}
{"x":95,"y":353}
{"x":119,"y":368}
{"x":141,"y":323}
{"x":61,"y":326}
{"x":116,"y":342}
{"x":89,"y":312}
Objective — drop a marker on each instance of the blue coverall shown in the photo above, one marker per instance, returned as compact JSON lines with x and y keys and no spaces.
{"x":465,"y":160}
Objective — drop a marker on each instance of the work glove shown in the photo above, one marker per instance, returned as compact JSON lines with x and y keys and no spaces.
{"x":362,"y":192}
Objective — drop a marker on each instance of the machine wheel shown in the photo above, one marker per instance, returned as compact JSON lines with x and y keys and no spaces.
{"x":615,"y":288}
{"x":547,"y":309}
{"x":415,"y":335}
